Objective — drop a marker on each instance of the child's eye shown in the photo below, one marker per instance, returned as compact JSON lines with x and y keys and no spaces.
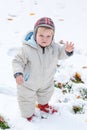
{"x":48,"y":36}
{"x":41,"y":35}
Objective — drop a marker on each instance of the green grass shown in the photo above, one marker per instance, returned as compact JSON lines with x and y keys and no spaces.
{"x":4,"y":125}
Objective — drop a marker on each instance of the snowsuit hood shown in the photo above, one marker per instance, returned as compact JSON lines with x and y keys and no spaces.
{"x":29,"y":40}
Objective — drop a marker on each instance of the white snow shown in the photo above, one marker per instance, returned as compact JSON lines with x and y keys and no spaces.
{"x":17,"y":17}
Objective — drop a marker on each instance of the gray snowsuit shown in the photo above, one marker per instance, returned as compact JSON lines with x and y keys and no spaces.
{"x":38,"y":67}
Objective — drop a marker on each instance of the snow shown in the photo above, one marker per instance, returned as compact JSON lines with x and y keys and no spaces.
{"x":17,"y":17}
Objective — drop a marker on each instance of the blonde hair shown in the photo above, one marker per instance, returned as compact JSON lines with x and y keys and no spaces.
{"x":45,"y":28}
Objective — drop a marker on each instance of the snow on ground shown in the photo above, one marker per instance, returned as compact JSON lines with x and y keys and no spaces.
{"x":17,"y":17}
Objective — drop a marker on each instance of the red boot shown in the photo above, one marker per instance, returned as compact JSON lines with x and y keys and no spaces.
{"x":46,"y":108}
{"x":30,"y":118}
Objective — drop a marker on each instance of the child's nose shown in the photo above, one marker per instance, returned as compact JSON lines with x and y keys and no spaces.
{"x":45,"y":38}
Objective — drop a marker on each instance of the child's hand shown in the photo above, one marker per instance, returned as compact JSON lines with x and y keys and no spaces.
{"x":69,"y":47}
{"x":19,"y":80}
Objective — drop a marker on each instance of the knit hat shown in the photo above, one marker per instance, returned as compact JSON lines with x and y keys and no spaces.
{"x":44,"y":22}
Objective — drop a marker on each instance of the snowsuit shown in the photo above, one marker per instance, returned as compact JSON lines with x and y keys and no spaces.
{"x":38,"y":67}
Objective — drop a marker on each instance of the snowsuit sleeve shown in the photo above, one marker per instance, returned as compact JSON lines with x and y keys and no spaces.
{"x":19,"y":62}
{"x":61,"y":52}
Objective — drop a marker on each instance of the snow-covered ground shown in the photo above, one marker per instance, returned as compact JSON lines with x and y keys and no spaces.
{"x":17,"y":17}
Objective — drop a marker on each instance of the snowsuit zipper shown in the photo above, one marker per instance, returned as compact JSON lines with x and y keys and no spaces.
{"x":43,"y":63}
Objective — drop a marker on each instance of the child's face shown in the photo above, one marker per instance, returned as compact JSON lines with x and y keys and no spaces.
{"x":44,"y":36}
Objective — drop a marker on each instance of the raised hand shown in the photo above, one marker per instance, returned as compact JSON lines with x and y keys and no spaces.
{"x":69,"y":46}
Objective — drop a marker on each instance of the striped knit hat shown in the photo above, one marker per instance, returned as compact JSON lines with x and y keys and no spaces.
{"x":44,"y":22}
